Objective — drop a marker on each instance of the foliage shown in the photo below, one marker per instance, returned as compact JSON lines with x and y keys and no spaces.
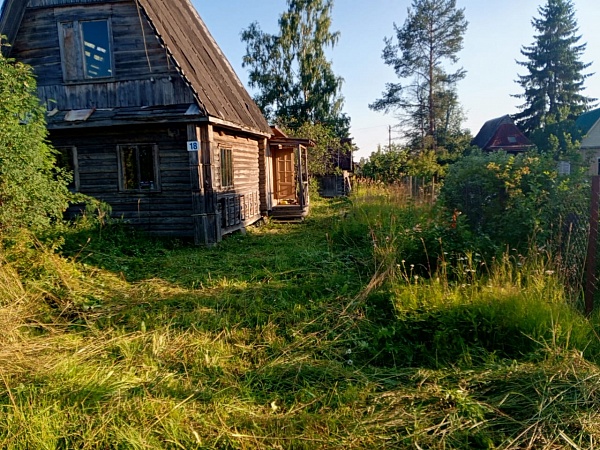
{"x":560,"y":141}
{"x":321,"y":160}
{"x":511,"y":199}
{"x":33,"y":192}
{"x":431,"y":35}
{"x":386,"y":164}
{"x":555,"y":80}
{"x":295,"y":81}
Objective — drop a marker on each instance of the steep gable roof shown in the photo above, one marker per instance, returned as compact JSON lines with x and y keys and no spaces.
{"x":587,"y":120}
{"x":201,"y":61}
{"x":589,"y":124}
{"x":501,"y":134}
{"x":217,"y":88}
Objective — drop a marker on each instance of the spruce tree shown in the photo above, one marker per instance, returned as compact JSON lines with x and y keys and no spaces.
{"x":426,"y":98}
{"x":554,"y":85}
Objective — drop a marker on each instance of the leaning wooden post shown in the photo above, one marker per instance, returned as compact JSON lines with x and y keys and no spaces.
{"x":591,"y":279}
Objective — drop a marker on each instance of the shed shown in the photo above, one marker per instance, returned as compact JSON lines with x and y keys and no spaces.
{"x":501,"y":134}
{"x":146,"y":111}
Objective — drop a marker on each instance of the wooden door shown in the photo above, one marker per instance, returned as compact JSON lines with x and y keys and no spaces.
{"x":285,"y":180}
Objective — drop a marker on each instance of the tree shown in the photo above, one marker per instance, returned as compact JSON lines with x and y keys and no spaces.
{"x":33,"y":192}
{"x":327,"y":143}
{"x":431,"y":36}
{"x":555,"y":80}
{"x":294,"y":78}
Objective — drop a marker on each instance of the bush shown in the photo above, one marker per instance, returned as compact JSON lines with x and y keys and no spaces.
{"x":33,"y":192}
{"x":511,"y":199}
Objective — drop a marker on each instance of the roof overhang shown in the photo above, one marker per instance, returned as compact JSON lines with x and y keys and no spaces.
{"x":11,"y":17}
{"x":292,"y":141}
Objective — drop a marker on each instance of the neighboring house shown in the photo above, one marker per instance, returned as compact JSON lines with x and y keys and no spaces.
{"x":502,"y":134}
{"x":589,"y":124}
{"x":147,"y":112}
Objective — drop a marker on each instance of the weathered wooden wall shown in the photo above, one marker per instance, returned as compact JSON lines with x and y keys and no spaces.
{"x":240,"y":205}
{"x":168,"y":212}
{"x":144,"y":75}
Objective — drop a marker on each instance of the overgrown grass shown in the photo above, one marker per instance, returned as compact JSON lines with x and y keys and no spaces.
{"x":345,"y":331}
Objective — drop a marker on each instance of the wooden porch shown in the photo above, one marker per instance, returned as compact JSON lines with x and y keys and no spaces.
{"x":290,"y":198}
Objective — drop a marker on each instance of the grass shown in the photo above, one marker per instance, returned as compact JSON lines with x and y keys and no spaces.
{"x":343,"y":332}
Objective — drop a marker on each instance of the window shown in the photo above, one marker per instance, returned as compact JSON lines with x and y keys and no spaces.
{"x":138,"y":167}
{"x":66,"y":159}
{"x":86,"y":49}
{"x":226,"y":168}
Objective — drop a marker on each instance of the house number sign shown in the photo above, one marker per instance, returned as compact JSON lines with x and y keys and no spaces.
{"x":193,"y":146}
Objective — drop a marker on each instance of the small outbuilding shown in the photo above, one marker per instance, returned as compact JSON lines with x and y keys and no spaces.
{"x":501,"y":134}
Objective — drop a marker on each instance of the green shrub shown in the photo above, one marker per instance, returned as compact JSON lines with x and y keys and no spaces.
{"x":33,"y":192}
{"x":512,"y":199}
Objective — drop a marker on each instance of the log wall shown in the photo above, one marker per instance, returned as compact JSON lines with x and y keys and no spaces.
{"x":239,"y":205}
{"x":166,"y":212}
{"x":144,"y":74}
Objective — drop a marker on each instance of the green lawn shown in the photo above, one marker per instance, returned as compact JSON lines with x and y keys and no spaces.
{"x":300,"y":336}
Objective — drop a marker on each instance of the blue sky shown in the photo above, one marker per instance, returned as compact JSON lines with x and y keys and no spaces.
{"x":497,"y":31}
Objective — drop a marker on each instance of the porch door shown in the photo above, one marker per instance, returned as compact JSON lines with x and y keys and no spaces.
{"x":285,"y":185}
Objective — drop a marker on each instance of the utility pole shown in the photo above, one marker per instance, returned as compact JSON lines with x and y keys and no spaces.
{"x":390,"y":137}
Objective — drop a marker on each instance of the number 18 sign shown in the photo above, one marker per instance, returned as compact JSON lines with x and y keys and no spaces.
{"x":193,"y":146}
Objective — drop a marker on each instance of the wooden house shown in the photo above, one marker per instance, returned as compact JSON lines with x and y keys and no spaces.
{"x":502,"y":134}
{"x":589,"y":124}
{"x":148,"y":113}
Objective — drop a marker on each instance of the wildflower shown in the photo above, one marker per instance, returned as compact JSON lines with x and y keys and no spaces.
{"x":349,"y":351}
{"x":349,"y":362}
{"x":549,"y":272}
{"x":416,"y":277}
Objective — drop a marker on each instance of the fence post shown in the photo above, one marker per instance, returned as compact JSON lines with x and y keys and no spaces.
{"x":591,"y":279}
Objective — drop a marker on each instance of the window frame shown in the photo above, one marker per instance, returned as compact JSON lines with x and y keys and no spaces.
{"x":121,"y":167}
{"x":77,"y":71}
{"x":227,"y":166}
{"x":74,"y":163}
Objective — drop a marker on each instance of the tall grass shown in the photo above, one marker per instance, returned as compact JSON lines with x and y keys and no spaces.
{"x":348,"y":331}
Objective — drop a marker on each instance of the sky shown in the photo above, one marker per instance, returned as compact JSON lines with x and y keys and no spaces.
{"x":497,"y":31}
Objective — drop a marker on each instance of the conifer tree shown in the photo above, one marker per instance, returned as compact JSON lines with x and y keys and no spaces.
{"x":553,"y":87}
{"x":432,"y":35}
{"x":295,"y":80}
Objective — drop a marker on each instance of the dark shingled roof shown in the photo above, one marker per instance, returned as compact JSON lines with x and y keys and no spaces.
{"x":199,"y":59}
{"x":501,"y":134}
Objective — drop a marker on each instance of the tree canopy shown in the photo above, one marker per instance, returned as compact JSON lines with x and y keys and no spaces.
{"x":33,"y":192}
{"x":554,"y":84}
{"x":426,"y":97}
{"x":295,"y":80}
